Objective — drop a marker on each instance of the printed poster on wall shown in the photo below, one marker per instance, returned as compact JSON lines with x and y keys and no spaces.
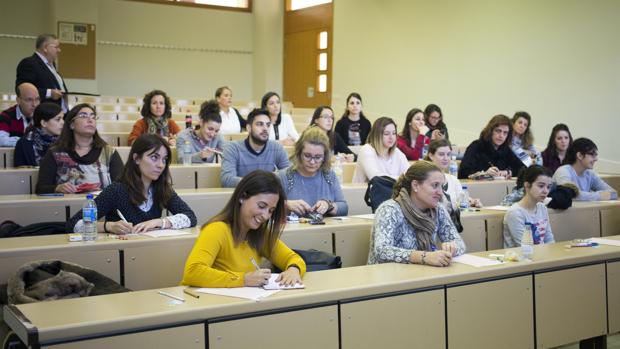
{"x":73,"y":33}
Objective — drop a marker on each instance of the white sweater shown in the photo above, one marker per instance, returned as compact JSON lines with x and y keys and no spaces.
{"x":369,"y":164}
{"x":285,"y":130}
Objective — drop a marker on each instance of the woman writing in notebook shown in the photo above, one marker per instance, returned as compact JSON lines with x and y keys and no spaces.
{"x":135,"y":203}
{"x":413,"y":227}
{"x":246,"y":230}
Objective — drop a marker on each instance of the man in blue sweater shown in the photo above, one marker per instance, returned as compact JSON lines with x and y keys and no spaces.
{"x":256,"y":152}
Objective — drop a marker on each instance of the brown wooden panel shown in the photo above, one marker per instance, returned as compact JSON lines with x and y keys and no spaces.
{"x":78,"y":61}
{"x":310,"y":18}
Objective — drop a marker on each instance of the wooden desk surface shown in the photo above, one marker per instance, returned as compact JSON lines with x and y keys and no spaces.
{"x":119,"y":313}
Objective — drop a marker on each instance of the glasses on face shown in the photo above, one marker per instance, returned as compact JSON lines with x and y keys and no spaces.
{"x":85,"y":115}
{"x":311,"y":158}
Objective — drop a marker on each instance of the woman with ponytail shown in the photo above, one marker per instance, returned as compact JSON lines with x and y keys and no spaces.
{"x":412,"y":227}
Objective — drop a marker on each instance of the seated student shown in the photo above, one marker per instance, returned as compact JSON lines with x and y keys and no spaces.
{"x":353,"y":126}
{"x":142,"y":193}
{"x":559,"y":141}
{"x":380,"y":157}
{"x":80,"y":161}
{"x":433,"y":118}
{"x":255,"y":152}
{"x":282,"y":128}
{"x":205,"y":141}
{"x":156,"y":114}
{"x":309,"y":183}
{"x":323,"y":117}
{"x":15,"y":120}
{"x":245,"y":231}
{"x":439,"y":152}
{"x":491,"y":152}
{"x":530,"y":211}
{"x":408,"y":227}
{"x":522,"y":142}
{"x":45,"y":129}
{"x":412,"y":138}
{"x":232,"y":121}
{"x":580,"y":159}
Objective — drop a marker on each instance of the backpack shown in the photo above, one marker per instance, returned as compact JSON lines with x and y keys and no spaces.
{"x":379,"y":189}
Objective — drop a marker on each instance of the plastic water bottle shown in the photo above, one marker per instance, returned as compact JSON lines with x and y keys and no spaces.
{"x":464,"y":199}
{"x":89,"y":218}
{"x":454,"y":167}
{"x":187,"y":153}
{"x":188,"y":120}
{"x":338,"y":168}
{"x":424,"y":151}
{"x":527,"y":243}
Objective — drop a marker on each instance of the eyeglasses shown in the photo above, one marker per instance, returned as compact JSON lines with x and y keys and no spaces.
{"x":310,"y":158}
{"x":84,"y":115}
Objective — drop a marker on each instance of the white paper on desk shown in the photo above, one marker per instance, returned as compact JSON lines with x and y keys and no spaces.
{"x":273,"y":285}
{"x":370,"y":216}
{"x":165,"y":232}
{"x":475,"y":261}
{"x":601,"y":241}
{"x":252,"y":293}
{"x":497,"y":207}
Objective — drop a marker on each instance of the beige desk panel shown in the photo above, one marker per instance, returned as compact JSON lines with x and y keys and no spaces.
{"x":6,"y":157}
{"x":208,"y":176}
{"x":610,"y":221}
{"x":354,"y":195}
{"x":476,"y":308}
{"x":474,"y":234}
{"x":106,"y":262}
{"x":613,"y":296}
{"x":149,"y":267}
{"x":414,"y":320}
{"x":310,"y":328}
{"x":183,"y":177}
{"x":16,"y":181}
{"x":206,"y":206}
{"x":575,"y":223}
{"x":495,"y":233}
{"x":190,"y":337}
{"x":24,"y":214}
{"x":321,"y":241}
{"x":570,"y":305}
{"x":352,"y":245}
{"x":489,"y":192}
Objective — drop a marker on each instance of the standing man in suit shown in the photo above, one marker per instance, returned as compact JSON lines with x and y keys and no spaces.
{"x":40,"y":70}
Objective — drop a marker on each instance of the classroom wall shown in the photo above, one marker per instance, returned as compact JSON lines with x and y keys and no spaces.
{"x":556,"y":59}
{"x":214,"y":47}
{"x":268,"y":47}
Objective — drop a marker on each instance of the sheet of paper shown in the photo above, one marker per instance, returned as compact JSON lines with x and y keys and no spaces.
{"x":497,"y":207}
{"x":252,"y":293}
{"x":601,"y":241}
{"x":475,"y":261}
{"x":370,"y":216}
{"x":165,"y":232}
{"x":273,"y":285}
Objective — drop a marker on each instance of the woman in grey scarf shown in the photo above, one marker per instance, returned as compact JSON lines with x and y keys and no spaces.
{"x":412,"y":227}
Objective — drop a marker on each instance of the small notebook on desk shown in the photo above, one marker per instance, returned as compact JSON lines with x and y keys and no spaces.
{"x":273,"y":285}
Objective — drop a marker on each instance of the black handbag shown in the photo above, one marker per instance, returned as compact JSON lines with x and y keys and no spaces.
{"x":379,"y":189}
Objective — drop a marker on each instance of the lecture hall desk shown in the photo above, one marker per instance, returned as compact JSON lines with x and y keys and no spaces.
{"x":563,"y":296}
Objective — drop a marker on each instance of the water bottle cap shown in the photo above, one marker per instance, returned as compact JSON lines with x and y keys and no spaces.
{"x":464,"y":187}
{"x":89,"y":196}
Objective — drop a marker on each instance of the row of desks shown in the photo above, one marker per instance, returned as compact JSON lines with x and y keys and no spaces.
{"x":131,"y":262}
{"x":563,"y":296}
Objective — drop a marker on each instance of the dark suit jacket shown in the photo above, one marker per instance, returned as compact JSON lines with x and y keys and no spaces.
{"x":33,"y":70}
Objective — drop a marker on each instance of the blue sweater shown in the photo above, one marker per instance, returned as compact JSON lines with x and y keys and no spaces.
{"x":589,"y":183}
{"x":321,"y":186}
{"x":240,"y":159}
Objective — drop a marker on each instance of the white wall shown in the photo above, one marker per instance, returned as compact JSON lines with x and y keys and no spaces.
{"x":556,"y":59}
{"x":268,"y":47}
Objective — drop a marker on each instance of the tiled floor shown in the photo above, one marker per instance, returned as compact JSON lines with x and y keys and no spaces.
{"x":613,"y":342}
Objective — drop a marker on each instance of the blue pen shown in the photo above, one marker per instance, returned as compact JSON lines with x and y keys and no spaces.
{"x":51,"y":194}
{"x":433,"y":248}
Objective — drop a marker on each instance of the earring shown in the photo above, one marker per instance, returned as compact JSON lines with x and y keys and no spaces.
{"x":240,"y":201}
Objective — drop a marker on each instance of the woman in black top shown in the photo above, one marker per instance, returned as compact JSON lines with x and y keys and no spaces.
{"x":491,"y":152}
{"x":47,"y":122}
{"x":433,"y":117}
{"x":142,"y":193}
{"x":323,"y":118}
{"x":353,"y":126}
{"x":80,"y":161}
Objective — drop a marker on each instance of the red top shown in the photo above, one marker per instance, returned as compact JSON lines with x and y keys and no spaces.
{"x":414,"y":153}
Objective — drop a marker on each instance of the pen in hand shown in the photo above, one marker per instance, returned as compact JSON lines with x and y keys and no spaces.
{"x":120,"y":214}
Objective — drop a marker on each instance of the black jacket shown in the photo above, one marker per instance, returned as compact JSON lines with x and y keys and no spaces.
{"x":33,"y":70}
{"x":480,"y":155}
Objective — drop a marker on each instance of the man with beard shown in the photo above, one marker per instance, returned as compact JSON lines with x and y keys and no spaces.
{"x":256,"y":152}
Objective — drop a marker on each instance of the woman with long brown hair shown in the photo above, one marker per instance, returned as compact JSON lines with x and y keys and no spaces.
{"x":232,"y":243}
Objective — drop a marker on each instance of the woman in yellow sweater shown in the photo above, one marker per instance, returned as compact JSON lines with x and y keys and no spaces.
{"x":247,"y":229}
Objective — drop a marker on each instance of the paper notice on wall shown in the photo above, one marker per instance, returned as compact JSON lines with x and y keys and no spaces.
{"x":73,"y":33}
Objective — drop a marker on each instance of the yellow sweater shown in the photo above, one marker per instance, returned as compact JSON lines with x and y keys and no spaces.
{"x":215,"y":261}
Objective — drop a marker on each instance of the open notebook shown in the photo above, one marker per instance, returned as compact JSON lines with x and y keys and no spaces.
{"x":273,"y":285}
